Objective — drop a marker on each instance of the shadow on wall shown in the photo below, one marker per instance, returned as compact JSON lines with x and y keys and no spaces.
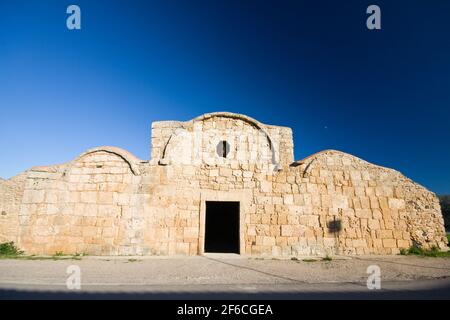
{"x":335,"y":226}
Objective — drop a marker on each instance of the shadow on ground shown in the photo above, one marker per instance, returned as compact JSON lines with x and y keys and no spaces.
{"x":437,"y":293}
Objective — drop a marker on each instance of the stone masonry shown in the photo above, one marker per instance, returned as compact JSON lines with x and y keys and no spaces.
{"x":108,"y":202}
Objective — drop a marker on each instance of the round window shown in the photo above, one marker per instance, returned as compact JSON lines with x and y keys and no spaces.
{"x":223,"y":148}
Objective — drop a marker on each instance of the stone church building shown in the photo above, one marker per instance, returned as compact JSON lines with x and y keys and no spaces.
{"x":221,"y":182}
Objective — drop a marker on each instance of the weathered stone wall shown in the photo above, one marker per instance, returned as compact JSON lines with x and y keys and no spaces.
{"x":11,"y":192}
{"x":160,"y":135}
{"x":87,"y":206}
{"x":331,"y":203}
{"x":284,"y":143}
{"x":195,"y":142}
{"x":377,"y":210}
{"x":108,"y":202}
{"x":171,"y":206}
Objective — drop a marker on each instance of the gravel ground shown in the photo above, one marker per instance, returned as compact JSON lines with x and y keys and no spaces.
{"x":221,"y":273}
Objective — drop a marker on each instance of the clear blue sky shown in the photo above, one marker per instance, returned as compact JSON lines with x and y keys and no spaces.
{"x":312,"y":65}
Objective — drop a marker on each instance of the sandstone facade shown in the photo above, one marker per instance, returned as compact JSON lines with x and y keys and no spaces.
{"x":108,"y":202}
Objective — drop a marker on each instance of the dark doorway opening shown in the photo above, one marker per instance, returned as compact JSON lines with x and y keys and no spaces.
{"x":222,"y":226}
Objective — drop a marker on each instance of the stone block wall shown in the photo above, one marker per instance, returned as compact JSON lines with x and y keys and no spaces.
{"x":107,"y":202}
{"x":335,"y":203}
{"x":195,"y":142}
{"x":160,"y":134}
{"x":88,"y":206}
{"x":11,"y":192}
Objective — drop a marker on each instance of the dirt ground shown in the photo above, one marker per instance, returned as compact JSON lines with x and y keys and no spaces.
{"x":215,"y":272}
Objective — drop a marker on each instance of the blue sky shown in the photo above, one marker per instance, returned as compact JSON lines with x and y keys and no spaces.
{"x":311,"y":65}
